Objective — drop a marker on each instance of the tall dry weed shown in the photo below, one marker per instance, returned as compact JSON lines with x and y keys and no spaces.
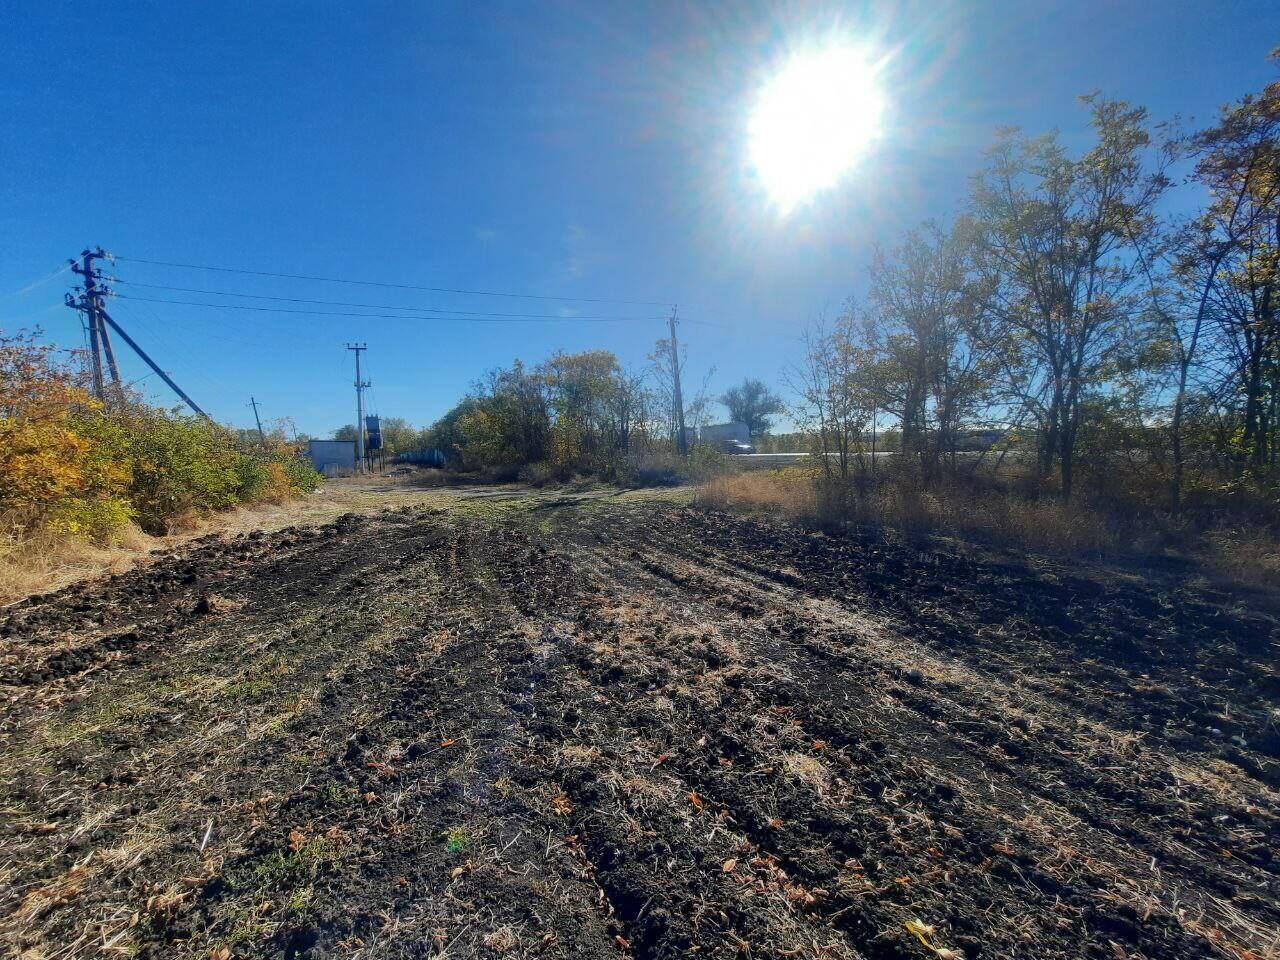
{"x":997,"y":514}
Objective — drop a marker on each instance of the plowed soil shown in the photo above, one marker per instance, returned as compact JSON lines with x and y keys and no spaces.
{"x":634,"y":730}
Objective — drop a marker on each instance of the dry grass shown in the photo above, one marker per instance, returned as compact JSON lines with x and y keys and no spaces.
{"x":1243,"y":556}
{"x":1001,"y":516}
{"x":45,"y":562}
{"x":994,"y":516}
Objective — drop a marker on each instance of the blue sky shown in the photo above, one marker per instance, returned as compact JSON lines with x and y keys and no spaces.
{"x":589,"y":149}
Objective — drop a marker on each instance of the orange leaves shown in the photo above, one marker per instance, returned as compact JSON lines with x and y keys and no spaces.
{"x":728,"y":865}
{"x":384,"y":770}
{"x":697,"y":801}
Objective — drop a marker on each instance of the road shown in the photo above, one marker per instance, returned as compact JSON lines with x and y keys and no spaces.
{"x":532,"y":725}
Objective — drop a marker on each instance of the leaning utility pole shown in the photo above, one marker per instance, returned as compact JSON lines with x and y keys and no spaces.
{"x":360,"y":388}
{"x":97,"y":320}
{"x":682,"y":442}
{"x":151,"y":363}
{"x":262,"y":437}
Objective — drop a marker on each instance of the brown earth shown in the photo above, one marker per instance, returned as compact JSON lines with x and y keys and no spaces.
{"x":540,"y":727}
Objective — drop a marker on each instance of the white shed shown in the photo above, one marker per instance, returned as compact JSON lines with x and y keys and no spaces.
{"x":333,"y":458}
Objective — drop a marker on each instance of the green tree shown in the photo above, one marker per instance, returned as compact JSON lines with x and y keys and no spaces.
{"x":753,"y":403}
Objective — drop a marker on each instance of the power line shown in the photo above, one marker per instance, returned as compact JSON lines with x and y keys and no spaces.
{"x":367,"y":306}
{"x":180,"y":358}
{"x":393,"y":286}
{"x":378,"y":316}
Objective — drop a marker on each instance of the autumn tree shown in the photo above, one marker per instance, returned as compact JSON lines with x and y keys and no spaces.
{"x":933,"y":361}
{"x":1055,"y":242}
{"x":1239,"y":260}
{"x":837,"y":401}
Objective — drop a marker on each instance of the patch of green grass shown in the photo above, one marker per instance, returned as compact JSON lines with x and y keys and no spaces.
{"x":250,"y":688}
{"x":91,"y":719}
{"x":260,"y":678}
{"x":248,"y":925}
{"x":291,"y":869}
{"x":300,"y":900}
{"x":456,"y":839}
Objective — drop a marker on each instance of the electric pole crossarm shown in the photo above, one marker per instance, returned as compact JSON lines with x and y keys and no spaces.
{"x":152,"y":364}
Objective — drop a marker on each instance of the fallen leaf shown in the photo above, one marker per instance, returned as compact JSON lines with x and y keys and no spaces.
{"x":919,"y":928}
{"x":729,"y":865}
{"x":696,"y":800}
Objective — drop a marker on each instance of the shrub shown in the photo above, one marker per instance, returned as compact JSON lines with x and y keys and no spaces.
{"x":71,"y":468}
{"x":183,"y":465}
{"x":62,"y":460}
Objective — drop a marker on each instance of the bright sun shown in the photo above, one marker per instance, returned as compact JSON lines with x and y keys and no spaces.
{"x":812,"y":122}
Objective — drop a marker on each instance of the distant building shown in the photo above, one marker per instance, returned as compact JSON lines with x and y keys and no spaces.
{"x":333,"y":458}
{"x":715,"y":432}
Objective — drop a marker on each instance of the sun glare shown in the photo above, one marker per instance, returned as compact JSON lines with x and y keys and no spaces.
{"x":813,"y":121}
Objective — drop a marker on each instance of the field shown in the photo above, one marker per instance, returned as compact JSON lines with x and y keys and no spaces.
{"x":568,"y":726}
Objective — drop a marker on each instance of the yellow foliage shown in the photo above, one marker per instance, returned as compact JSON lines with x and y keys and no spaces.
{"x":71,"y":468}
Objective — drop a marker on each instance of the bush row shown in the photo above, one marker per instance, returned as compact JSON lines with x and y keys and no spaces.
{"x":73,"y":467}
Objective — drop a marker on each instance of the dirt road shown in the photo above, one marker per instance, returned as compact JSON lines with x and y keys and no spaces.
{"x":605,"y":728}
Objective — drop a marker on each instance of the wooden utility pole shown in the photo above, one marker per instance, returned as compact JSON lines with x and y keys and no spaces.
{"x":360,"y":388}
{"x":90,"y":303}
{"x":262,"y":437}
{"x":682,"y":441}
